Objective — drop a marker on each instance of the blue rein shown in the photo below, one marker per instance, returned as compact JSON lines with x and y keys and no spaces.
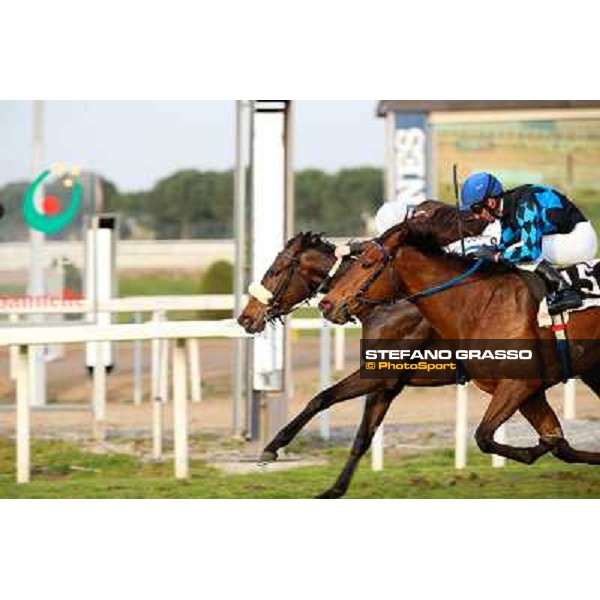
{"x":447,"y":284}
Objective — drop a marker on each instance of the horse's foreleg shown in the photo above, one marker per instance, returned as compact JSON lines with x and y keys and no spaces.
{"x":563,"y":450}
{"x":509,"y":397}
{"x":349,"y":387}
{"x":376,"y":407}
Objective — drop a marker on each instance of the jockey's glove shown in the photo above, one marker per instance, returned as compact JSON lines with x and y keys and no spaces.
{"x":351,"y":249}
{"x":488,"y":253}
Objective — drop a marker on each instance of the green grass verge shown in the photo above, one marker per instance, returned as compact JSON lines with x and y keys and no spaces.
{"x":63,"y":470}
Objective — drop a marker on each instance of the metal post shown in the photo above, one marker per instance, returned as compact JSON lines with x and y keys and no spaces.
{"x":242,"y":142}
{"x":272,"y":202}
{"x":461,"y":432}
{"x":325,"y":374}
{"x":340,"y":346}
{"x":500,"y":437}
{"x":36,"y":266}
{"x":180,"y":425}
{"x":23,"y":414}
{"x":193,"y":353}
{"x":138,"y":391}
{"x":569,"y":404}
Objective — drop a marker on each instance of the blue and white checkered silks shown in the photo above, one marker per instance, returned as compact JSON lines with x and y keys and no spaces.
{"x":531,"y":238}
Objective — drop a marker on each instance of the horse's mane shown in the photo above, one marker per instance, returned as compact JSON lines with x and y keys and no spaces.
{"x":314,"y":240}
{"x":431,"y":232}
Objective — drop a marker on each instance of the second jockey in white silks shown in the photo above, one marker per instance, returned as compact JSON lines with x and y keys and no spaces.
{"x":392,"y":213}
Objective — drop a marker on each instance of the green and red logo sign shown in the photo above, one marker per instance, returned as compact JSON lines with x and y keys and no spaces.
{"x":50,"y":216}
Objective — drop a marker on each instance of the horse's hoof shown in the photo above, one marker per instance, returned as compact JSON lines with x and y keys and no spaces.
{"x":266,"y":457}
{"x":330,"y":494}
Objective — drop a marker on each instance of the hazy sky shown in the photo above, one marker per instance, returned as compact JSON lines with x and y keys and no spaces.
{"x":135,"y":143}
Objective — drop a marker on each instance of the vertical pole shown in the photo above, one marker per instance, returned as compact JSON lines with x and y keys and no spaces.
{"x":155,"y":360}
{"x":288,"y":232}
{"x":461,"y":431}
{"x":99,"y":383}
{"x":157,"y":409}
{"x":569,"y":405}
{"x":340,"y":347}
{"x":156,"y":377}
{"x":377,"y":450}
{"x":194,"y":370}
{"x":164,"y":371}
{"x":180,"y":433}
{"x":272,"y":201}
{"x":390,"y":157}
{"x":13,"y":351}
{"x":138,"y":392}
{"x":500,"y":437}
{"x":23,"y":408}
{"x":161,"y":353}
{"x":36,"y":267}
{"x":157,"y":403}
{"x":242,"y":142}
{"x":325,"y":375}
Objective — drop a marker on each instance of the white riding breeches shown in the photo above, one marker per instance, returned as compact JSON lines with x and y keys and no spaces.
{"x":578,"y":246}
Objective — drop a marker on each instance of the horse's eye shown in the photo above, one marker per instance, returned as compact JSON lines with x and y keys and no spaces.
{"x":366,"y":263}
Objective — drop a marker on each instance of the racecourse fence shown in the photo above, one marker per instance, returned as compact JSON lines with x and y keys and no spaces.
{"x":186,"y":371}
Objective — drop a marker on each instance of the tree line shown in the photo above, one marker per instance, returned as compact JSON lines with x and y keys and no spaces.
{"x":199,"y":204}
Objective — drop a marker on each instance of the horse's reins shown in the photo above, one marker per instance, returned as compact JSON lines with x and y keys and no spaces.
{"x":387,"y":258}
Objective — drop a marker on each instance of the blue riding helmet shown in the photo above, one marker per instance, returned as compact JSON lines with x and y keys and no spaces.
{"x":478,"y":187}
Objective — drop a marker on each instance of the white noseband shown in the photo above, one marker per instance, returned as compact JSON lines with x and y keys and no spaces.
{"x":260,"y":292}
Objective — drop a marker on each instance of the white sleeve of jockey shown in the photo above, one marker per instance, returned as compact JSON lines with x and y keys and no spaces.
{"x":490,"y":235}
{"x":390,"y":214}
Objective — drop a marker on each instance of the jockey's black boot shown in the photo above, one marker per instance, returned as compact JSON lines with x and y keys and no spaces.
{"x":562,"y":296}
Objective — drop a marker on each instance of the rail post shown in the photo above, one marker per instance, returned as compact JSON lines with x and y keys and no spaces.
{"x":158,"y":349}
{"x":13,"y":351}
{"x":499,"y":461}
{"x":569,"y":407}
{"x":180,"y":424}
{"x":193,"y":354}
{"x":23,"y":414}
{"x":377,"y":450}
{"x":325,"y":375}
{"x":339,"y":348}
{"x":99,"y":395}
{"x":138,"y":392}
{"x":461,"y":431}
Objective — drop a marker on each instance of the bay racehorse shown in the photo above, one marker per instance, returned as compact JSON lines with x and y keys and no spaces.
{"x":296,"y":275}
{"x":494,"y":305}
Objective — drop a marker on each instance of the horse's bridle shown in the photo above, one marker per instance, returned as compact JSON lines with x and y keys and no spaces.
{"x":387,"y":258}
{"x":283,"y":285}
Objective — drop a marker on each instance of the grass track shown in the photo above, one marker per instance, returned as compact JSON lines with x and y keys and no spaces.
{"x":428,"y":475}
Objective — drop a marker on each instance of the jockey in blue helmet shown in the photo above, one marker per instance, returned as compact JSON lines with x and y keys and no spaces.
{"x":539,"y":226}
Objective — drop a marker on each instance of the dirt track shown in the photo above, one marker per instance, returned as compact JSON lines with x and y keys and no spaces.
{"x":68,"y":383}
